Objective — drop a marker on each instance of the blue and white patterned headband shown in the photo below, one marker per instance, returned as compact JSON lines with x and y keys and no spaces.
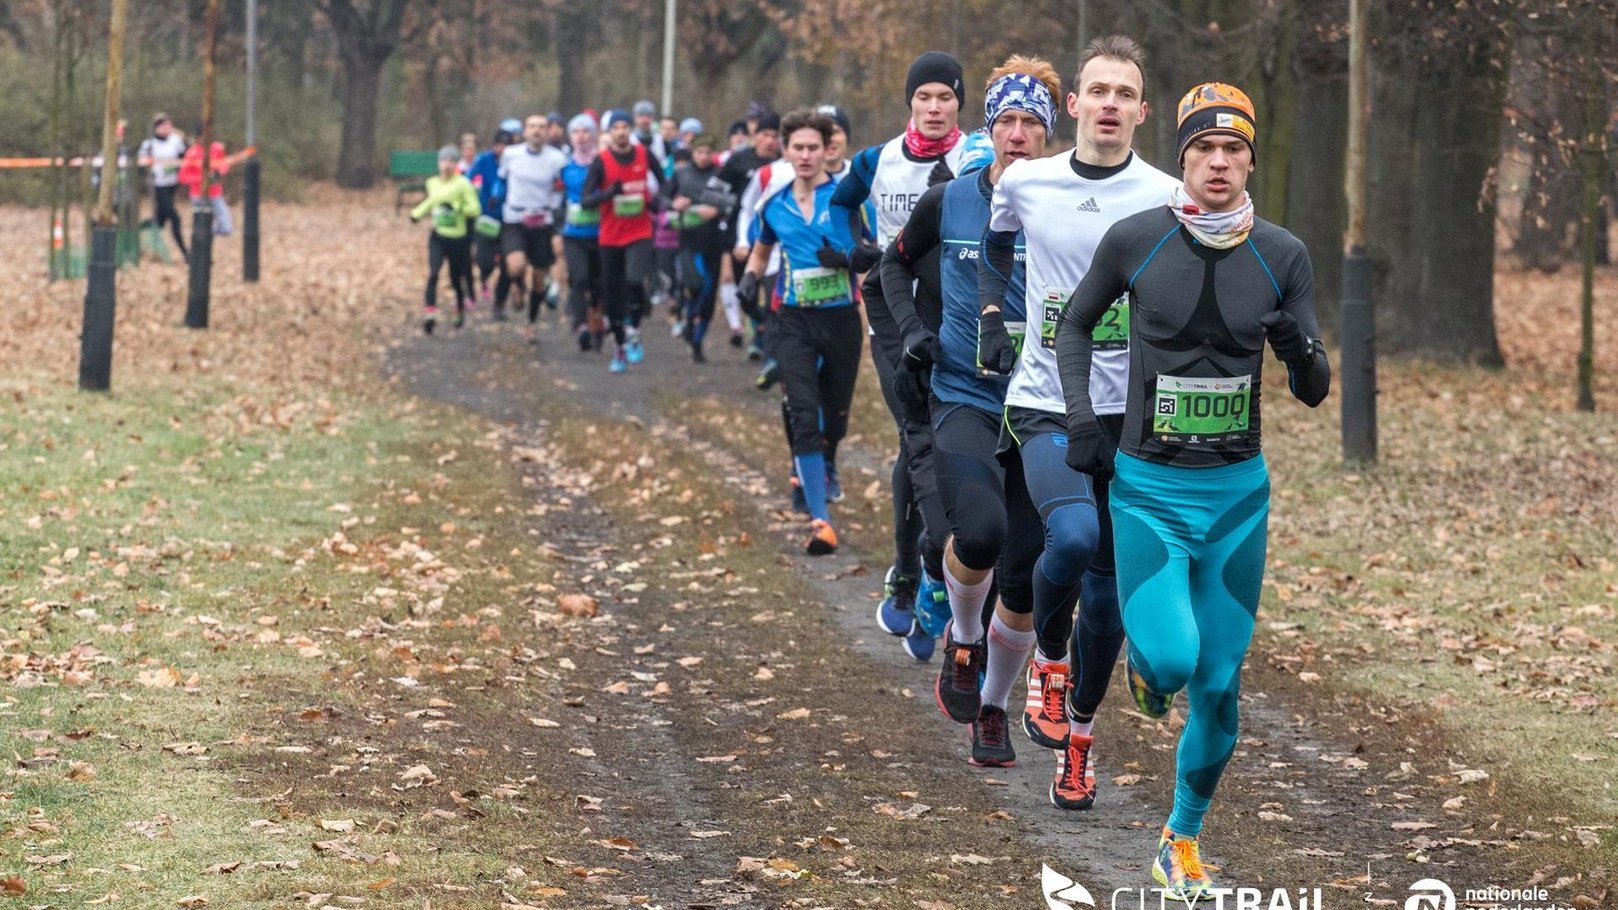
{"x":1019,"y":92}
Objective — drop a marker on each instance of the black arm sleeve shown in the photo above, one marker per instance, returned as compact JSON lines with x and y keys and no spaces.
{"x":1101,"y":286}
{"x":1309,"y":379}
{"x":916,"y":239}
{"x":592,"y":195}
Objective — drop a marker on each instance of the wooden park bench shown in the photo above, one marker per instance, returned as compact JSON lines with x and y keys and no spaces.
{"x":409,"y":172}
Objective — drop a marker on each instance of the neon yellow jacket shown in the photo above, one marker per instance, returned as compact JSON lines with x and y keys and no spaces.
{"x":453,"y":203}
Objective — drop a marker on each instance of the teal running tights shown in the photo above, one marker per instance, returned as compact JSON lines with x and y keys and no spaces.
{"x":1190,"y":545}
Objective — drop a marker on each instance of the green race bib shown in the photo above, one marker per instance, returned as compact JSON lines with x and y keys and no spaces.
{"x":687,"y":220}
{"x":819,"y":286}
{"x":1051,"y":309}
{"x":445,"y":217}
{"x":579,"y":216}
{"x":488,"y":226}
{"x":1112,"y":332}
{"x":628,"y":205}
{"x":1197,"y":411}
{"x":1018,"y":332}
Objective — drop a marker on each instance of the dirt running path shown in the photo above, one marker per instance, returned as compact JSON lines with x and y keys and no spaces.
{"x":797,"y":755}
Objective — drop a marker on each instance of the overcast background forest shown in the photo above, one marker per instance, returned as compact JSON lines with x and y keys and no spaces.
{"x":1483,"y":131}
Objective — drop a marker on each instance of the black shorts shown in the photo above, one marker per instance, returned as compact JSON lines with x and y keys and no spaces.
{"x":1021,"y":423}
{"x":534,"y":243}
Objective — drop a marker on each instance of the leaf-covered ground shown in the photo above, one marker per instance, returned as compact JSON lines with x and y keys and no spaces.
{"x":274,"y":632}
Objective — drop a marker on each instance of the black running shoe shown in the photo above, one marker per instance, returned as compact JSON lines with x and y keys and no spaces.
{"x":991,"y":742}
{"x":960,"y":677}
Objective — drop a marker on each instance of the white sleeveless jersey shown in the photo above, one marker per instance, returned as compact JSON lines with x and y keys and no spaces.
{"x":1063,"y":217}
{"x":896,"y":180}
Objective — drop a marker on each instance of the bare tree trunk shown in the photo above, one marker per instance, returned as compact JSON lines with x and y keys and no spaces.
{"x":1315,"y":210}
{"x":572,"y":49}
{"x":366,"y":38}
{"x":1431,"y":219}
{"x":362,"y":87}
{"x":1548,"y":100}
{"x":1592,"y":165}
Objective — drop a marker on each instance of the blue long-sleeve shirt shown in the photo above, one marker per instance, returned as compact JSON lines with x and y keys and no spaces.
{"x":485,"y":176}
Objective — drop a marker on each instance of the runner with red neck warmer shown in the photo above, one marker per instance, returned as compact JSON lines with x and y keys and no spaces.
{"x":893,"y":175}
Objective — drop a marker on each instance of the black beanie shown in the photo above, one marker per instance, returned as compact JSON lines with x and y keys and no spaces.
{"x":935,"y":66}
{"x":769,"y":120}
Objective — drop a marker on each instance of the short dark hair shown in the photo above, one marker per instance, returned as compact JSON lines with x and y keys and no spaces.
{"x":1114,"y":47}
{"x":807,"y":118}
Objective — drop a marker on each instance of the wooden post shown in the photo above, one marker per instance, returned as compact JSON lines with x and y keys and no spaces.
{"x":1592,"y":158}
{"x":1358,"y":396}
{"x":101,"y":291}
{"x":196,"y":302}
{"x":250,"y":189}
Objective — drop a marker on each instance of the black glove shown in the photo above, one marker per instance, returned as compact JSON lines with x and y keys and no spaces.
{"x":415,"y":219}
{"x":865,"y":256}
{"x":830,"y":257}
{"x":996,"y":351}
{"x":747,"y":288}
{"x":940,"y":173}
{"x":921,"y":350}
{"x":1286,"y":337}
{"x":617,"y":188}
{"x":1089,"y":451}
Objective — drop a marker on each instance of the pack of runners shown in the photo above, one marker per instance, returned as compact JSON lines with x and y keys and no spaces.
{"x":1071,"y":347}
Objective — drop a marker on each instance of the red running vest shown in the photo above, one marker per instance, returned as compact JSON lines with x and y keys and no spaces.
{"x":627,"y":217}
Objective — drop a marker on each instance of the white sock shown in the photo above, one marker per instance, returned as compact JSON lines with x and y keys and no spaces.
{"x":966,"y":605}
{"x":1008,"y":655}
{"x":1084,"y":729}
{"x":733,"y":307}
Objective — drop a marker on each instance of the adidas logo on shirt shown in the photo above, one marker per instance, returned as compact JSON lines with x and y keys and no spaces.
{"x":1089,"y":205}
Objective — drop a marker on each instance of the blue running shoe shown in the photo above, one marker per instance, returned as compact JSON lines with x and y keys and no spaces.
{"x":919,"y":642}
{"x":932,"y":605}
{"x":633,"y":352}
{"x":619,"y":364}
{"x":895,"y":614}
{"x":834,"y":483}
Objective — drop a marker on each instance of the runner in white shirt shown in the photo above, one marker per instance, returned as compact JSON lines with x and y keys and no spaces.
{"x":892,"y":175}
{"x":1063,"y":206}
{"x":163,"y":150}
{"x":532,"y":172}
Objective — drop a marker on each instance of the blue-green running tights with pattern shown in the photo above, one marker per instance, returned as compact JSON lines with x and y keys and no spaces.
{"x":1190,"y":545}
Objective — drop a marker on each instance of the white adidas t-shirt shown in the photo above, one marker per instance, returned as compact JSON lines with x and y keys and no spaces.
{"x":533,"y":181}
{"x":1063,"y":216}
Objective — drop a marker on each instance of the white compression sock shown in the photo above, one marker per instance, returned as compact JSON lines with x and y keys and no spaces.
{"x":1008,"y":655}
{"x":966,"y":605}
{"x":733,"y":307}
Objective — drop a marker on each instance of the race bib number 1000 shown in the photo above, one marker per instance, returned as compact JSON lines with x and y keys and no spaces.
{"x":1198,"y":411}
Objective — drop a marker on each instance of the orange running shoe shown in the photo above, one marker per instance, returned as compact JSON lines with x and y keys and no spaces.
{"x":1045,"y":717}
{"x":1075,"y":784}
{"x":822,"y":538}
{"x":1180,"y":870}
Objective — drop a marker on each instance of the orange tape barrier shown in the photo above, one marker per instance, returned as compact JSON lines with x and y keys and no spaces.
{"x":18,"y":163}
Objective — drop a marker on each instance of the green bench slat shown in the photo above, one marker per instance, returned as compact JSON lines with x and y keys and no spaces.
{"x":409,"y":170}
